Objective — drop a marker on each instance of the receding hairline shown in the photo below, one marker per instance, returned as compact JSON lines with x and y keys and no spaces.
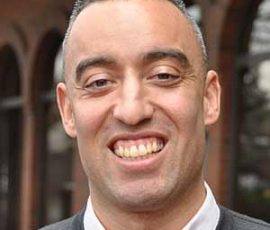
{"x":80,"y":5}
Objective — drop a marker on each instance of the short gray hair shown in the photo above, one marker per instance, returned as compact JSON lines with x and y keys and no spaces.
{"x":79,"y":5}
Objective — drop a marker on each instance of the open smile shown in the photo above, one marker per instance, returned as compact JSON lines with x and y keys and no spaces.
{"x":137,"y":148}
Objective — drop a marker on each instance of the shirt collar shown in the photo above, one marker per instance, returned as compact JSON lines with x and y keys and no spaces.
{"x":90,"y":220}
{"x":206,"y":218}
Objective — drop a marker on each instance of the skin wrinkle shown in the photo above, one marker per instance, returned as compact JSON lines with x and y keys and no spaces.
{"x":139,"y":102}
{"x":178,"y":3}
{"x":153,"y":56}
{"x":92,"y":62}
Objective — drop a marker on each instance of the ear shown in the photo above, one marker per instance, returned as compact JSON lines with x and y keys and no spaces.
{"x":66,"y":110}
{"x":212,"y":94}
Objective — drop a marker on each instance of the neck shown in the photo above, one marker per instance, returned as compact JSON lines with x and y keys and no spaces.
{"x":170,"y":215}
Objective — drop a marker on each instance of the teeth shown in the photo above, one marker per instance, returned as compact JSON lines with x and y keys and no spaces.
{"x":126,"y":152}
{"x":117,"y":152}
{"x":149,"y":148}
{"x":133,"y":151}
{"x":154,"y":147}
{"x":141,"y":150}
{"x":121,"y":151}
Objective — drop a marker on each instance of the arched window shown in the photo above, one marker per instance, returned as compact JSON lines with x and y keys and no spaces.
{"x":10,"y":139}
{"x":54,"y":148}
{"x":253,"y":156}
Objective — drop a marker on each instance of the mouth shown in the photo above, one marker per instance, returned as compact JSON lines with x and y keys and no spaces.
{"x":137,"y":148}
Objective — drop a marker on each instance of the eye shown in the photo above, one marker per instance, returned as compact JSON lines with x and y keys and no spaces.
{"x":165,"y":79}
{"x":166,"y":76}
{"x":100,"y":83}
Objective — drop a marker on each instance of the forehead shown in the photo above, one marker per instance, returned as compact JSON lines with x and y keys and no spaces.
{"x":125,"y":28}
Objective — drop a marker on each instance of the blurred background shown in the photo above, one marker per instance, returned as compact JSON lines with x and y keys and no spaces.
{"x":41,"y":180}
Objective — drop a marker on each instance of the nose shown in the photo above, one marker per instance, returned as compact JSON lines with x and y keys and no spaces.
{"x":133,"y":106}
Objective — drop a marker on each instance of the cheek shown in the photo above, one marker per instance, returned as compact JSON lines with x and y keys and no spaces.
{"x":183,"y":108}
{"x":88,"y":118}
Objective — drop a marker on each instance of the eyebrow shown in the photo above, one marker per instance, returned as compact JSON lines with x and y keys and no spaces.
{"x":155,"y":55}
{"x":159,"y":54}
{"x":92,"y":62}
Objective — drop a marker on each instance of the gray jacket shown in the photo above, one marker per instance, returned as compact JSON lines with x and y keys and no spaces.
{"x":228,"y":220}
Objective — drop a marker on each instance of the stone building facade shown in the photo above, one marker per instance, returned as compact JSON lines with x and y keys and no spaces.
{"x":41,"y":179}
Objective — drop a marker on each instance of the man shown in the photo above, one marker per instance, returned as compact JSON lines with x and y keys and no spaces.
{"x":138,"y":97}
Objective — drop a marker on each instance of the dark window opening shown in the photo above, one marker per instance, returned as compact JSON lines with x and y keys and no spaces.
{"x":54,"y":147}
{"x":10,"y":139}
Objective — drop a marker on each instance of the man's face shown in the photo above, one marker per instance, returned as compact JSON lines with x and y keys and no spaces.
{"x":137,"y":101}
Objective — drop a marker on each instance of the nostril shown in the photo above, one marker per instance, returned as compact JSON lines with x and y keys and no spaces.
{"x":133,"y":112}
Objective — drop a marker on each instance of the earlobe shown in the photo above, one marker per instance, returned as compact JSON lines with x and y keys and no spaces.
{"x":65,"y":108}
{"x":212,"y":94}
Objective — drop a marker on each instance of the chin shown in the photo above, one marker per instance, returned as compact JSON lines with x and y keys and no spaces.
{"x":143,"y":200}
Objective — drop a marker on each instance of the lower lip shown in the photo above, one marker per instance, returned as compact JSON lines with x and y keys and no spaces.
{"x":141,"y":165}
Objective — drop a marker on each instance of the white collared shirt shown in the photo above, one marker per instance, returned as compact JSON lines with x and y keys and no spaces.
{"x":206,"y":218}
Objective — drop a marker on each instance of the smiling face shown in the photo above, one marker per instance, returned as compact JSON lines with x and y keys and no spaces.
{"x":138,"y":101}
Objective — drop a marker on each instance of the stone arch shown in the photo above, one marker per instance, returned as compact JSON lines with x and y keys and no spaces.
{"x":234,"y":37}
{"x":246,"y":63}
{"x":42,"y":96}
{"x":42,"y":41}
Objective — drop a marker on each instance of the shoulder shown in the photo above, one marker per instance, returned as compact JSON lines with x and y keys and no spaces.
{"x":230,"y":220}
{"x":73,"y":223}
{"x":62,"y":225}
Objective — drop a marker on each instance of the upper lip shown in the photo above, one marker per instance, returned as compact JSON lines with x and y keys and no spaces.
{"x":135,"y":136}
